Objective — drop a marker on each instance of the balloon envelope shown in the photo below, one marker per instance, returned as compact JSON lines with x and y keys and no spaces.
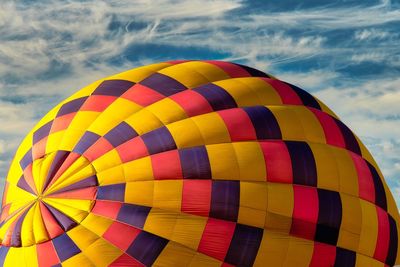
{"x":195,"y":163}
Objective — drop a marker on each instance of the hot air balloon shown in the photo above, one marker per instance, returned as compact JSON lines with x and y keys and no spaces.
{"x":195,"y":163}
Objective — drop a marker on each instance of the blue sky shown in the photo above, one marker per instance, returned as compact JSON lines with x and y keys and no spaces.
{"x":345,"y":52}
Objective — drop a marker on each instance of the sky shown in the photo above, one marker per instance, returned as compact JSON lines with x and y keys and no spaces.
{"x":346,"y":53}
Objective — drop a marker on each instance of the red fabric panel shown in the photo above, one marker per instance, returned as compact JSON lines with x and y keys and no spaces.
{"x":216,"y":238}
{"x":286,"y":93}
{"x":62,"y":122}
{"x":167,"y":165}
{"x":382,"y":244}
{"x":107,"y":209}
{"x":142,"y":95}
{"x":52,"y":226}
{"x":98,"y":149}
{"x":83,"y":193}
{"x":29,"y":177}
{"x":333,"y":134}
{"x":305,"y":212}
{"x":39,"y":149}
{"x":239,"y":124}
{"x":323,"y":255}
{"x":132,"y":149}
{"x":277,"y":162}
{"x":121,"y":235}
{"x":47,"y":255}
{"x":196,"y":197}
{"x":124,"y":261}
{"x":192,"y":102}
{"x":231,"y":69}
{"x":97,"y":103}
{"x":366,"y":187}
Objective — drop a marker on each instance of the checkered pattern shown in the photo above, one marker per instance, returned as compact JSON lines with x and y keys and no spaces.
{"x":195,"y":162}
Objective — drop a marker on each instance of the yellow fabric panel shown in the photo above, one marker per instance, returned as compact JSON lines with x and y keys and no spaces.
{"x":175,"y":255}
{"x":253,"y":204}
{"x":13,"y":175}
{"x":102,"y":253}
{"x":160,"y":222}
{"x":280,"y":207}
{"x":44,"y":170}
{"x":106,"y":161}
{"x":18,"y":197}
{"x":250,"y":160}
{"x":189,"y":230}
{"x":143,"y":121}
{"x":138,"y":74}
{"x":83,"y":119}
{"x":114,"y":175}
{"x":30,"y":256}
{"x":15,"y":257}
{"x":139,"y":193}
{"x":74,"y":208}
{"x":168,"y":194}
{"x":182,"y":136}
{"x":369,"y":228}
{"x":78,"y":260}
{"x":273,"y":249}
{"x":96,"y":224}
{"x":299,"y":252}
{"x":38,"y":226}
{"x":348,"y":175}
{"x":263,"y":90}
{"x":313,"y":130}
{"x":27,"y":235}
{"x":167,"y":111}
{"x":53,"y":141}
{"x":212,"y":128}
{"x":350,"y":229}
{"x":286,"y":118}
{"x":186,"y":76}
{"x":201,"y":260}
{"x":207,"y":70}
{"x":85,"y":91}
{"x":138,"y":170}
{"x":4,"y":228}
{"x":82,"y":237}
{"x":363,"y":261}
{"x":241,"y":93}
{"x":227,"y":169}
{"x":74,"y":135}
{"x":327,"y":169}
{"x":36,"y":169}
{"x":120,"y":109}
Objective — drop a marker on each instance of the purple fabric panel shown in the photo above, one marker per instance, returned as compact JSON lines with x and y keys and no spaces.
{"x":345,"y":258}
{"x":380,"y":195}
{"x":22,"y":183}
{"x":55,"y":165}
{"x":87,"y":140}
{"x":113,"y":87}
{"x":307,"y":99}
{"x":393,"y":242}
{"x":303,"y":163}
{"x":146,"y":247}
{"x":163,"y":84}
{"x":65,"y":222}
{"x":114,"y":192}
{"x":3,"y":254}
{"x":159,"y":140}
{"x":133,"y":215}
{"x":218,"y":98}
{"x":253,"y":72}
{"x":87,"y":182}
{"x":329,"y":217}
{"x":16,"y":234}
{"x":349,"y":138}
{"x":65,"y":247}
{"x":195,"y":163}
{"x":225,"y":200}
{"x":71,"y":106}
{"x":42,"y":132}
{"x":244,"y":245}
{"x":120,"y":134}
{"x":264,"y":122}
{"x":26,"y":160}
